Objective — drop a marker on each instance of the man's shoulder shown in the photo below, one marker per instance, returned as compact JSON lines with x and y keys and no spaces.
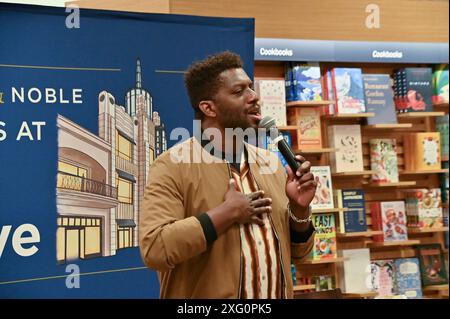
{"x":176,"y":153}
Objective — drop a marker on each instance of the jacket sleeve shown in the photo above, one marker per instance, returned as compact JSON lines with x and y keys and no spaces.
{"x":166,"y":236}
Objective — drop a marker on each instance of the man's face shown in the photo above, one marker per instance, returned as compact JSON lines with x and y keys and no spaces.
{"x":237,"y":103}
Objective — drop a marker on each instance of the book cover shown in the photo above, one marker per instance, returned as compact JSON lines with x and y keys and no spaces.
{"x":347,"y":141}
{"x":323,"y":198}
{"x":432,"y":265}
{"x":382,"y":277}
{"x":424,"y":208}
{"x":325,"y":237}
{"x":440,"y":84}
{"x":442,"y":128}
{"x":416,"y":90}
{"x":309,"y":133}
{"x":379,"y":99}
{"x":354,"y":219}
{"x":308,"y":85}
{"x":383,"y":160}
{"x":394,"y":221}
{"x":288,"y":82}
{"x":324,"y":283}
{"x":348,"y":90}
{"x":407,"y":278}
{"x":269,"y":145}
{"x":422,"y":151}
{"x":355,"y":270}
{"x":272,"y":98}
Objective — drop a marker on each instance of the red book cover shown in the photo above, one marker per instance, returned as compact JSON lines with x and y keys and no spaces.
{"x":377,"y":223}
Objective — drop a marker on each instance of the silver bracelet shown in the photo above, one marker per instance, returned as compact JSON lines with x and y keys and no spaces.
{"x":298,"y":220}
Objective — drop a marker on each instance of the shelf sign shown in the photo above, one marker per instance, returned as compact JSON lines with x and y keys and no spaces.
{"x":267,"y":49}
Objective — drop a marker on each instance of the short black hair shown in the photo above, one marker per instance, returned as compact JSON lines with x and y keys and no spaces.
{"x":202,"y":77}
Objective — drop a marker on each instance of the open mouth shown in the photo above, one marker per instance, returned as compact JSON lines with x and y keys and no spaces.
{"x":255,"y":114}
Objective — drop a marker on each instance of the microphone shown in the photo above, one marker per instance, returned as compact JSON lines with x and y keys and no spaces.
{"x":269,"y":124}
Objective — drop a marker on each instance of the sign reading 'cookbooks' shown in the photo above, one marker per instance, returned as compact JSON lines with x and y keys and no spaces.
{"x":84,"y":110}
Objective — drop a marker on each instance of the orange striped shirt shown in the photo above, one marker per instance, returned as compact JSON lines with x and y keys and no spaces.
{"x":261,"y":263}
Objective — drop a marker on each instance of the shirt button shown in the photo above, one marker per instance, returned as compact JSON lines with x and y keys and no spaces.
{"x":259,"y":243}
{"x":263,"y":277}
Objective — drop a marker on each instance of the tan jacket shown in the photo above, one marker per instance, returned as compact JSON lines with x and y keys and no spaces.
{"x":172,"y":240}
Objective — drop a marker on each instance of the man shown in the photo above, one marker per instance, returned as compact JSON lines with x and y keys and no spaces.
{"x":217,"y":229}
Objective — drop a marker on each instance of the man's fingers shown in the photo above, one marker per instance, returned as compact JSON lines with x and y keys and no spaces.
{"x":310,"y":183}
{"x":306,"y":177}
{"x":261,"y":202}
{"x":304,"y":168}
{"x":289,"y":172}
{"x":300,"y":158}
{"x":255,"y":195}
{"x":257,"y":220}
{"x":262,"y":210}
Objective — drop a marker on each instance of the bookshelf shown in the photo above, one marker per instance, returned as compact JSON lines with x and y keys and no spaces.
{"x":374,"y":192}
{"x":368,"y":233}
{"x":329,"y":210}
{"x":361,"y":295}
{"x":393,"y":243}
{"x":308,"y":103}
{"x":420,"y":114}
{"x":435,"y":288}
{"x":415,"y":230}
{"x":324,"y":261}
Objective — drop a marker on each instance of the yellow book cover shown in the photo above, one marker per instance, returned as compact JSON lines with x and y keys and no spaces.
{"x":428,"y":151}
{"x":307,"y":119}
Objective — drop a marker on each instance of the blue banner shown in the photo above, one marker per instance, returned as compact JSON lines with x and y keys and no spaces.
{"x":87,"y":102}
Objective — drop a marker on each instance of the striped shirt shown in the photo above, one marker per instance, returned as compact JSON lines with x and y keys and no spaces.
{"x":261,"y":262}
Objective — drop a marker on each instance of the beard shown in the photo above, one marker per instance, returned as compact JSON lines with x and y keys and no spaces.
{"x":230,"y":119}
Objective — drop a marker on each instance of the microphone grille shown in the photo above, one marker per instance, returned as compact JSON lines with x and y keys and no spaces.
{"x":267,"y":122}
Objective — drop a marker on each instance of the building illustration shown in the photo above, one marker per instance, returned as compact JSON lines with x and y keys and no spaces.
{"x":101,"y":179}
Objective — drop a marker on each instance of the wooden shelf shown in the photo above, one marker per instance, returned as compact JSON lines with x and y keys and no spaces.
{"x":329,"y":210}
{"x":443,"y":104}
{"x":435,"y":171}
{"x":308,"y":103}
{"x":349,"y":116}
{"x":304,"y":287}
{"x":435,"y":288}
{"x":324,"y":261}
{"x":397,"y":184}
{"x":368,"y":233}
{"x":388,"y":126}
{"x":393,"y":243}
{"x":416,"y":230}
{"x":288,"y":128}
{"x":420,"y":114}
{"x":353,"y":173}
{"x":354,"y":295}
{"x":316,"y":151}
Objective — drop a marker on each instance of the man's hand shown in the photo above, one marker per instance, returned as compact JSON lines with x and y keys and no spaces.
{"x":301,"y":187}
{"x":246,"y":208}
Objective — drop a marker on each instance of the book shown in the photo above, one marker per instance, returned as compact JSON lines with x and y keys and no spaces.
{"x":422,"y":151}
{"x":307,"y":82}
{"x":424,"y":208}
{"x":309,"y":133}
{"x":414,"y":90}
{"x":325,"y":237}
{"x":432,"y":265}
{"x":390,"y":217}
{"x":407,"y":278}
{"x":354,"y":219}
{"x":289,"y":91}
{"x":379,"y":99}
{"x":328,"y":92}
{"x":347,"y":140}
{"x":382,"y":277}
{"x":323,"y":199}
{"x":348,"y":90}
{"x":324,"y":283}
{"x":442,"y":128}
{"x":355,"y":270}
{"x":383,"y":160}
{"x":440,"y":84}
{"x":272,"y":98}
{"x":269,"y":145}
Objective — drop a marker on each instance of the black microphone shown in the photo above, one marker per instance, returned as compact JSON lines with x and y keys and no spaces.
{"x":269,"y":124}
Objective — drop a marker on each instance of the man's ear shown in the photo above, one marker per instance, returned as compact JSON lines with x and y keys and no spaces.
{"x":208,"y":108}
